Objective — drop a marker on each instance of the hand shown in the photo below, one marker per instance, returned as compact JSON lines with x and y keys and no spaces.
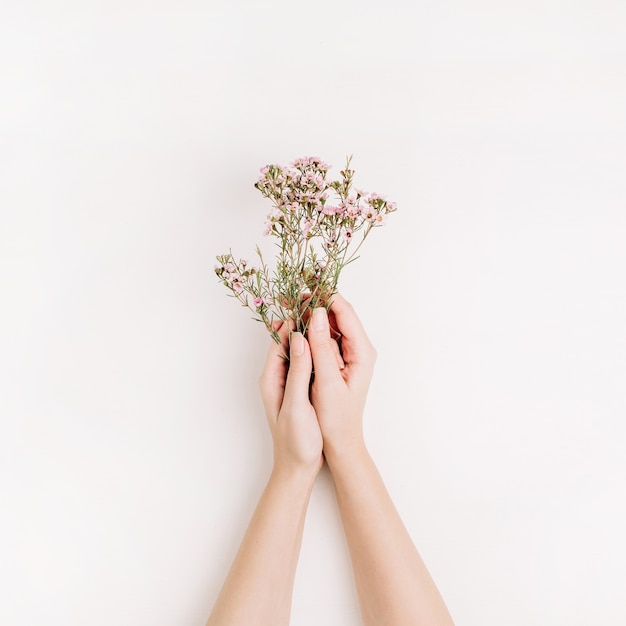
{"x":290,"y":414}
{"x":338,"y":393}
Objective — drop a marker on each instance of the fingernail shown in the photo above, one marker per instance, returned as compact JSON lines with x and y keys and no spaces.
{"x":297,"y":344}
{"x":319,"y":318}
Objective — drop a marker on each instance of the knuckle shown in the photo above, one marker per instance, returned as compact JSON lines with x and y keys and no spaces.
{"x":326,"y":348}
{"x":296,"y":368}
{"x":347,"y":306}
{"x":317,"y":341}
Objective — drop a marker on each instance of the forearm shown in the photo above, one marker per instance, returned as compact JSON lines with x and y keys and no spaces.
{"x":393,"y":584}
{"x":259,"y":586}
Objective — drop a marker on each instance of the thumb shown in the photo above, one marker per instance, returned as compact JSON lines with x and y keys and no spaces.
{"x":299,"y":374}
{"x":323,"y":348}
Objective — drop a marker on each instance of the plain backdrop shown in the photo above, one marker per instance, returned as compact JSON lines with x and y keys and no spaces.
{"x":133,"y":447}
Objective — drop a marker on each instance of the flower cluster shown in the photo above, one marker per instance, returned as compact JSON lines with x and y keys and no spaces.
{"x":317,"y":222}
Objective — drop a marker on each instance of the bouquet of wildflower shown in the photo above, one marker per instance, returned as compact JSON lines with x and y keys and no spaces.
{"x":319,"y":224}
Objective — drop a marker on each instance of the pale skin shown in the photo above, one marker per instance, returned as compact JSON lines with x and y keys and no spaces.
{"x":311,"y":423}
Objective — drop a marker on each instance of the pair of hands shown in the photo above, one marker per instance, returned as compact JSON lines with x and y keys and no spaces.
{"x":324,"y":419}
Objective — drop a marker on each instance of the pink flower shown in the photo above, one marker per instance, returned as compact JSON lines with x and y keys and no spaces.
{"x":301,"y":162}
{"x":259,"y":302}
{"x":265,"y":169}
{"x":391,"y":206}
{"x":268,"y":229}
{"x":315,"y":162}
{"x":331,"y":210}
{"x":350,"y":208}
{"x":319,"y":180}
{"x":322,"y":166}
{"x":369,"y":214}
{"x":380,"y":219}
{"x":235,"y":282}
{"x":306,"y":227}
{"x":319,"y":268}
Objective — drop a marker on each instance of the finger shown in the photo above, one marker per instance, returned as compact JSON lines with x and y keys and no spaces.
{"x":357,"y":349}
{"x":299,"y":374}
{"x":272,"y":380}
{"x":346,"y":320}
{"x":338,"y":356}
{"x":334,"y":333}
{"x":322,"y":350}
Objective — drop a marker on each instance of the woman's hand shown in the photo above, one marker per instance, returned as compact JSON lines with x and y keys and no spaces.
{"x":259,"y":585}
{"x":393,"y":584}
{"x":290,"y":414}
{"x":338,"y":393}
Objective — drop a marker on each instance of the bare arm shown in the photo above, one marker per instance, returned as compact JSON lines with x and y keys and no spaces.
{"x":393,"y":584}
{"x":259,"y":586}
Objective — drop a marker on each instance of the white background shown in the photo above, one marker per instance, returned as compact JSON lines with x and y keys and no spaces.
{"x":133,"y":448}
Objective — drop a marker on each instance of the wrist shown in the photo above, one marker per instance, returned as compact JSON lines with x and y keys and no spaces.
{"x":342,"y":458}
{"x":295,"y":478}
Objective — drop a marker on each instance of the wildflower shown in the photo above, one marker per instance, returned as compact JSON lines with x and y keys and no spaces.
{"x":350,"y":208}
{"x":316,"y":221}
{"x":235,"y":282}
{"x":306,"y":227}
{"x":369,"y":214}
